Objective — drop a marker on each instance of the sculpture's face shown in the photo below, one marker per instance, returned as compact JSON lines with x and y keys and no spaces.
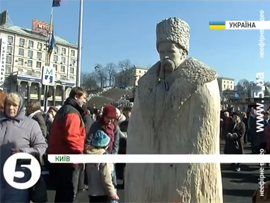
{"x":171,"y":56}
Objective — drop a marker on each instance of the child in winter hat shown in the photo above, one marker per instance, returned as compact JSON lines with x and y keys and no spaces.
{"x":100,"y":139}
{"x":101,"y":186}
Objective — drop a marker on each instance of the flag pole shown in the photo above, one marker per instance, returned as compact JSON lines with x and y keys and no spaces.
{"x":45,"y":99}
{"x":50,"y":36}
{"x":79,"y":54}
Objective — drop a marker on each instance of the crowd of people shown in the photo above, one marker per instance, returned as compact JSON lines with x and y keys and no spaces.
{"x":238,"y":128}
{"x":75,"y":128}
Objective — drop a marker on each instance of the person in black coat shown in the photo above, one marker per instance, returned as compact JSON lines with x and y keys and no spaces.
{"x":88,"y":121}
{"x":235,"y":138}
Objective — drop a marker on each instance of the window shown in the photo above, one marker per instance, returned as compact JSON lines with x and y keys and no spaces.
{"x":55,"y":66}
{"x":63,"y":60}
{"x":30,"y":53}
{"x":71,"y":70}
{"x":39,"y":55}
{"x":30,"y":44}
{"x":8,"y":70}
{"x":39,"y":46}
{"x":38,"y":64}
{"x":63,"y":69}
{"x":64,"y":51}
{"x":9,"y":60}
{"x":20,"y":62}
{"x":72,"y":52}
{"x":10,"y":39}
{"x":22,"y":42}
{"x":9,"y":49}
{"x":56,"y":50}
{"x":21,"y":52}
{"x":30,"y":63}
{"x":72,"y":62}
{"x":55,"y":58}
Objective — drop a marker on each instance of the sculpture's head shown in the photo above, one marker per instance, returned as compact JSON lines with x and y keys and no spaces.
{"x":172,"y":42}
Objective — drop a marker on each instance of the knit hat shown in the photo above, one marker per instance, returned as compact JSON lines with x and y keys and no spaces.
{"x":100,"y":139}
{"x":109,"y":111}
{"x":174,"y":30}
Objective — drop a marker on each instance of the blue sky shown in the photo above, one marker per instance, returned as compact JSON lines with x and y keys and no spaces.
{"x":119,"y":30}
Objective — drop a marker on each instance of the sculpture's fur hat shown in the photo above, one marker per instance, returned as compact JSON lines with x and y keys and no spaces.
{"x":175,"y":30}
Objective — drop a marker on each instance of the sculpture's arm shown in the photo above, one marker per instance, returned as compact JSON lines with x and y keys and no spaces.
{"x":204,"y":115}
{"x":135,"y":122}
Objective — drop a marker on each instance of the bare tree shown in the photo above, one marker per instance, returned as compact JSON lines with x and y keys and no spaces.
{"x":267,"y":84}
{"x":252,"y":83}
{"x":110,"y":68}
{"x":243,"y":85}
{"x":89,"y":81}
{"x":101,"y":75}
{"x":125,"y":71}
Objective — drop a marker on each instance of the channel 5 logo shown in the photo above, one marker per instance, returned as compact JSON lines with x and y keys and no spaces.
{"x":19,"y":166}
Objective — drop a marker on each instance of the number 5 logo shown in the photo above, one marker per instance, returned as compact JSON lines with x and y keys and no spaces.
{"x":17,"y":166}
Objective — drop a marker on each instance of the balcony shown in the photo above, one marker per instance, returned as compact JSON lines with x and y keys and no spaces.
{"x":72,"y":78}
{"x":63,"y":77}
{"x":30,"y":72}
{"x":35,"y":96}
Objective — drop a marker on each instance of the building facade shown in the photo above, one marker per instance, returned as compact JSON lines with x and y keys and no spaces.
{"x":130,"y":77}
{"x":226,"y":83}
{"x":26,"y":54}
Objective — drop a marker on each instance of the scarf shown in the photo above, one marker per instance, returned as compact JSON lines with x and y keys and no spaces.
{"x":34,"y":113}
{"x":109,"y":130}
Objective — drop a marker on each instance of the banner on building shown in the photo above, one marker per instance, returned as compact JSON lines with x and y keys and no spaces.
{"x":3,"y":51}
{"x":3,"y":17}
{"x":41,"y":26}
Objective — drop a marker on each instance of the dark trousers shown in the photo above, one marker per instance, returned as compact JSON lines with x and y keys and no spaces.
{"x":94,"y":199}
{"x":63,"y":177}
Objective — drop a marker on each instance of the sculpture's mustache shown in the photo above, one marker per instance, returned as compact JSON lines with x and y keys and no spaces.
{"x":168,"y":65}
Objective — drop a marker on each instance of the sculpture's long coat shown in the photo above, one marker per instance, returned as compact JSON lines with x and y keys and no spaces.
{"x":183,"y":120}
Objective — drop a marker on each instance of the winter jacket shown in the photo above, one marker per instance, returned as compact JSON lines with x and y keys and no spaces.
{"x":41,"y":122}
{"x":24,"y":134}
{"x":67,"y":135}
{"x":100,"y":176}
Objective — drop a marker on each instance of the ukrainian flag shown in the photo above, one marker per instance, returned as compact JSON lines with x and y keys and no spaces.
{"x":52,"y":45}
{"x":217,"y":25}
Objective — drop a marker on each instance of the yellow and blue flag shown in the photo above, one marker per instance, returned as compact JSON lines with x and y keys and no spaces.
{"x":52,"y":45}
